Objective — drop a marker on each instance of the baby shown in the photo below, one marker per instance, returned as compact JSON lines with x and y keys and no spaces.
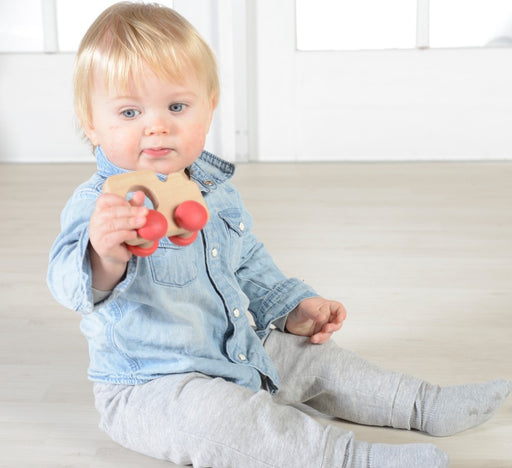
{"x":179,"y":371}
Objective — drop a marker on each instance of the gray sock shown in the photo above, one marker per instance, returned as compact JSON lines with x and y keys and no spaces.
{"x":366,"y":455}
{"x":445,"y":411}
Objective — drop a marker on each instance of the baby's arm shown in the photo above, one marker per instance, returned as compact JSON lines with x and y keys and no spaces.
{"x":113,"y":222}
{"x":317,"y":318}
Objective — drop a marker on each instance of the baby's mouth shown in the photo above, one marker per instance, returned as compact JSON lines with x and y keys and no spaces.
{"x":157,"y":152}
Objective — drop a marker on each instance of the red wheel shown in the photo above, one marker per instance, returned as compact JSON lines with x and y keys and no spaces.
{"x":191,"y":215}
{"x":183,"y":241}
{"x":143,"y":251}
{"x":155,"y":227}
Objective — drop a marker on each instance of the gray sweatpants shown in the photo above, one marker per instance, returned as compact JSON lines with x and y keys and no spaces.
{"x":193,"y":418}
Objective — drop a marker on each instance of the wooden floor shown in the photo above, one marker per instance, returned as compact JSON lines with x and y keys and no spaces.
{"x":421,"y":255}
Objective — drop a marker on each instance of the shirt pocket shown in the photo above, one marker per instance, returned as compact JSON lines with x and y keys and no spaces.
{"x":172,"y":265}
{"x":236,"y":228}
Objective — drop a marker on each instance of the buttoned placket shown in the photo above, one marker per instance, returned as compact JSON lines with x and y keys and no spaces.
{"x":214,"y":265}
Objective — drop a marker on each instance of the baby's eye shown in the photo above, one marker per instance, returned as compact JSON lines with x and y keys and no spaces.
{"x":177,"y":107}
{"x":130,"y":113}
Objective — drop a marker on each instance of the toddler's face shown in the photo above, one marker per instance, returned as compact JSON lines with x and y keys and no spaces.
{"x":158,"y":125}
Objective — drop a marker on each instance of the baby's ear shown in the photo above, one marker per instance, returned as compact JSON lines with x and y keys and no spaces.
{"x":214,"y":100}
{"x":90,"y":133}
{"x":213,"y":104}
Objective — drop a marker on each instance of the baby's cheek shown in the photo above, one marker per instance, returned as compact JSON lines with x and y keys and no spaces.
{"x":195,"y":141}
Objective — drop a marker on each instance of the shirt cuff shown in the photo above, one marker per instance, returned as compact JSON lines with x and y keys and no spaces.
{"x":280,"y":323}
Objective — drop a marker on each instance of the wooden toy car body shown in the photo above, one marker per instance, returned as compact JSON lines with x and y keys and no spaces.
{"x":177,"y":199}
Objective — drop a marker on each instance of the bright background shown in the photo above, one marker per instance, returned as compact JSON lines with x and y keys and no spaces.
{"x":302,"y":80}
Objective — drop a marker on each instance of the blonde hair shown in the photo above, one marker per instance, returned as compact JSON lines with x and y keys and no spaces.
{"x":126,"y":38}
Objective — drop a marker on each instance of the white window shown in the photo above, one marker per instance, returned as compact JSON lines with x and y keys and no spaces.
{"x":48,"y":25}
{"x":402,"y":24}
{"x":352,"y":25}
{"x":470,"y":23}
{"x":21,"y":26}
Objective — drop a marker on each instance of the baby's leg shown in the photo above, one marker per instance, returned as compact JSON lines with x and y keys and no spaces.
{"x":342,"y":384}
{"x":210,"y":422}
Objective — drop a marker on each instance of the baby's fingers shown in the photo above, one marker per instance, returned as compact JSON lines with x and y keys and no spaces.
{"x":320,"y":338}
{"x":115,"y":213}
{"x":110,"y":199}
{"x":325,"y":333}
{"x":124,"y":218}
{"x":113,"y":222}
{"x":138,"y":198}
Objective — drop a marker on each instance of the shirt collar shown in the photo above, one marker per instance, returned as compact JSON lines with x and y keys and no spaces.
{"x":207,"y":171}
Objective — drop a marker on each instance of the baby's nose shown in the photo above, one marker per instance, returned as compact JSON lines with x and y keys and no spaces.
{"x":157,"y":126}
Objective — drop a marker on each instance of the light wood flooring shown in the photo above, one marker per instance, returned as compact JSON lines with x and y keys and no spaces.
{"x":420,"y":254}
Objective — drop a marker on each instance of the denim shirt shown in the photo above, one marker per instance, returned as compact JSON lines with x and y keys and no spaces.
{"x":182,"y":309}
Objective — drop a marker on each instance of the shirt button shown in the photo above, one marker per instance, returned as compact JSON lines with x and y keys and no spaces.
{"x":215,"y":252}
{"x":208,"y":183}
{"x":242,"y":357}
{"x":242,"y":227}
{"x":236,"y":313}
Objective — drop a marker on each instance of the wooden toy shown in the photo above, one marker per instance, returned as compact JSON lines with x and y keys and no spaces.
{"x":179,"y":210}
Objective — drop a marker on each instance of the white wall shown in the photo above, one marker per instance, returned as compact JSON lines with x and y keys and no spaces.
{"x":408,"y":105}
{"x":37,"y":121}
{"x":434,"y":104}
{"x":412,"y":105}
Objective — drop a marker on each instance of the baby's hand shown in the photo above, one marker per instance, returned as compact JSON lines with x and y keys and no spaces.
{"x":113,"y":222}
{"x":317,"y":318}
